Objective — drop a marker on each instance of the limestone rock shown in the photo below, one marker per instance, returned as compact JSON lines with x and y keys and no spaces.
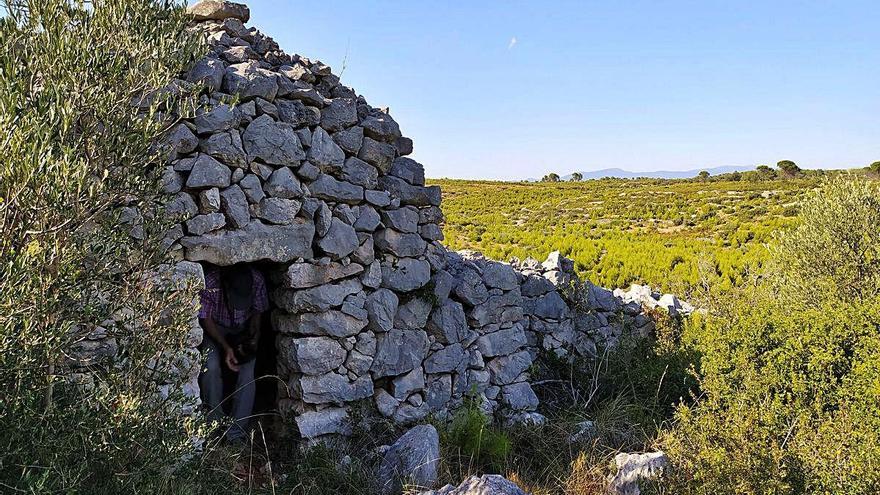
{"x":406,"y":274}
{"x":208,"y":172}
{"x":340,"y":239}
{"x":334,"y":388}
{"x":412,"y":460}
{"x":305,"y":275}
{"x":312,"y":355}
{"x":632,"y":467}
{"x":219,"y":10}
{"x":488,"y":484}
{"x":399,"y":351}
{"x":254,"y":242}
{"x":333,"y":323}
{"x":275,"y":143}
{"x":313,"y":424}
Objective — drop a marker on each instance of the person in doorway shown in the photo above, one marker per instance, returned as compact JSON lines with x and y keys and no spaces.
{"x":232,"y":306}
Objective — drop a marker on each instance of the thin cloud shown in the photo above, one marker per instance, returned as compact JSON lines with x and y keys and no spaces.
{"x":512,"y":43}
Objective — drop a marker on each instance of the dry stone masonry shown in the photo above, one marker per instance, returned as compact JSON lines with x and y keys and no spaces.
{"x":287,"y":165}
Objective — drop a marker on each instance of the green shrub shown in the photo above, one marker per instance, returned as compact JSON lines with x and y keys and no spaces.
{"x":789,"y":399}
{"x":472,"y":439}
{"x":80,"y":234}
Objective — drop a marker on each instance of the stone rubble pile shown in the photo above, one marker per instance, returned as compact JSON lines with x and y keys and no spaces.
{"x":287,"y":165}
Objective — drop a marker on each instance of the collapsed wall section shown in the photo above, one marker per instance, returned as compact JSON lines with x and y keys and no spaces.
{"x":285,"y":164}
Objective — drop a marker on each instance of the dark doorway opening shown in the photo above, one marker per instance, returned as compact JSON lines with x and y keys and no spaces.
{"x":264,"y":416}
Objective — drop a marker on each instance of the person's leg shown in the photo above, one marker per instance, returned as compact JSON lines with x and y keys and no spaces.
{"x":211,"y":380}
{"x":243,"y":401}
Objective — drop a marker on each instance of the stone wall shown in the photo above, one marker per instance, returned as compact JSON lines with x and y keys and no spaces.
{"x":287,"y":165}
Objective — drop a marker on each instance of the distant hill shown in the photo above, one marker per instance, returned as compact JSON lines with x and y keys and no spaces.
{"x":619,"y":173}
{"x":662,"y":174}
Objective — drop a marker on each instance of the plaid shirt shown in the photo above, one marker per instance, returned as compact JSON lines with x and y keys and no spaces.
{"x":214,"y":301}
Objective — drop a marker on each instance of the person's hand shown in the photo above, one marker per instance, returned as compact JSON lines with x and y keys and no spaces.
{"x":230,"y":360}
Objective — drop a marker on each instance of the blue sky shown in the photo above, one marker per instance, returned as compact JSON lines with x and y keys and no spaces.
{"x":640,"y":85}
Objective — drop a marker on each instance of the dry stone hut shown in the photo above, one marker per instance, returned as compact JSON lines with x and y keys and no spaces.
{"x":301,"y":176}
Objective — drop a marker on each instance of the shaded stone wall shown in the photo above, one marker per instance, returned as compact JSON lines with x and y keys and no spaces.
{"x":288,"y":165}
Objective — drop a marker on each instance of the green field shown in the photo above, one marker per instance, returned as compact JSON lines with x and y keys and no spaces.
{"x":667,"y":233}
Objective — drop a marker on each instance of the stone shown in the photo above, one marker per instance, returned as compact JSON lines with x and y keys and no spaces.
{"x":172,"y":182}
{"x":603,"y":299}
{"x":408,"y":414}
{"x":447,"y":323}
{"x":381,"y":309}
{"x":413,"y":314}
{"x":339,"y":114}
{"x":536,"y":286}
{"x":399,"y":351}
{"x":200,"y":224}
{"x":278,"y":211}
{"x":448,"y":359}
{"x":312,"y":355}
{"x":330,"y":189}
{"x":234,"y":204}
{"x":407,"y":384}
{"x":498,"y":308}
{"x":219,"y":10}
{"x":328,"y":323}
{"x":334,"y":388}
{"x":314,"y":424}
{"x":305,"y":275}
{"x":502,"y":342}
{"x":410,"y":194}
{"x":431,"y":232}
{"x":208,"y":172}
{"x":209,"y":200}
{"x":273,"y":142}
{"x":181,"y":207}
{"x":403,"y":219}
{"x":254,"y":242}
{"x":399,"y":244}
{"x":226,"y":147}
{"x":377,"y":198}
{"x":385,"y":403}
{"x":368,"y":219}
{"x":358,"y":362}
{"x":519,"y":397}
{"x":556,"y":261}
{"x":252,"y":187}
{"x":219,"y":119}
{"x":499,"y":276}
{"x":439,"y":391}
{"x":283,"y":184}
{"x":488,"y":484}
{"x":350,"y":139}
{"x":381,"y":127}
{"x":325,"y":153}
{"x":316,"y":299}
{"x":550,"y":305}
{"x":297,"y":114}
{"x":633,"y":467}
{"x":248,"y":80}
{"x":408,"y":170}
{"x":404,"y":146}
{"x":181,"y":139}
{"x":406,"y":274}
{"x":359,"y":172}
{"x":238,"y":54}
{"x":323,"y":219}
{"x":208,"y":71}
{"x":505,"y":369}
{"x":377,"y":154}
{"x":340,"y":239}
{"x":300,"y":90}
{"x":413,"y":459}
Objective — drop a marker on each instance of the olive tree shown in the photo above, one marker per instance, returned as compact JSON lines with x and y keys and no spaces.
{"x":84,"y":97}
